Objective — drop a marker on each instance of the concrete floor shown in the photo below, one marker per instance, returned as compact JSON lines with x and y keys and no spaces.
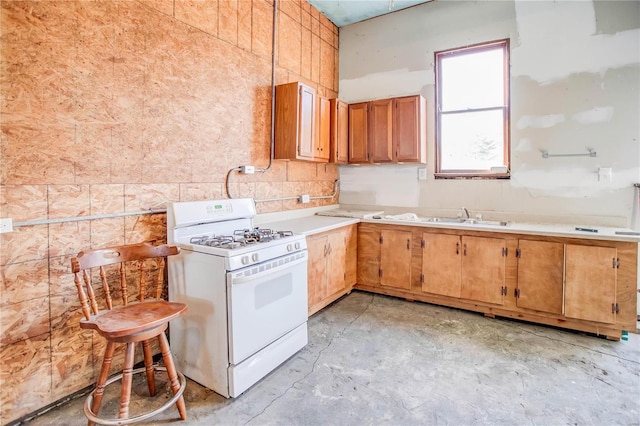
{"x":378,"y":360}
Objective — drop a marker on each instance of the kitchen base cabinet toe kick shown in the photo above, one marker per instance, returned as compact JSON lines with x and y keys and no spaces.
{"x":578,"y":284}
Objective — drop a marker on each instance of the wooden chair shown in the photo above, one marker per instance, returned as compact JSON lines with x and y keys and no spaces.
{"x":131,"y":322}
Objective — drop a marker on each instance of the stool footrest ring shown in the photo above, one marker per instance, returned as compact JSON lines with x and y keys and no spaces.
{"x":98,"y":420}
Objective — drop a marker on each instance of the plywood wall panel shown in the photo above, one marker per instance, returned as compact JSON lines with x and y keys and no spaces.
{"x":244,"y":24}
{"x":71,"y":360}
{"x":305,"y":62}
{"x":92,"y":165}
{"x":69,"y":201}
{"x":68,"y":238}
{"x":107,"y":198}
{"x":23,"y":281}
{"x":107,"y":232}
{"x":327,"y":58}
{"x":289,"y":42}
{"x":150,"y":228}
{"x":228,"y":20}
{"x":24,"y":244}
{"x":14,"y":327}
{"x":28,"y":202}
{"x":291,"y":8}
{"x":120,"y":106}
{"x":25,"y":373}
{"x":262,"y":33}
{"x":199,"y":14}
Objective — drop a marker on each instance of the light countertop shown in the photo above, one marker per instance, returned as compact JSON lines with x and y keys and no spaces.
{"x":307,"y":223}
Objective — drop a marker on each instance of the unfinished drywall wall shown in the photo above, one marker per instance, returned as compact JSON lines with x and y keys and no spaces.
{"x":574,"y":86}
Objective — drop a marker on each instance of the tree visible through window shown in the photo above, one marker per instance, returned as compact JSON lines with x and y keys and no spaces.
{"x":472,"y":108}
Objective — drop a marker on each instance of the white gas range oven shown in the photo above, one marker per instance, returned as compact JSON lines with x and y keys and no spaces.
{"x":246,"y":289}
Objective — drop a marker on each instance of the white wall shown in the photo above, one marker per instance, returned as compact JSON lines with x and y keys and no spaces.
{"x":575,"y":84}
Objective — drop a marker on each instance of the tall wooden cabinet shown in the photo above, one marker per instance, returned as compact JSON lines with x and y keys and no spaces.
{"x":388,"y":131}
{"x":332,"y":266}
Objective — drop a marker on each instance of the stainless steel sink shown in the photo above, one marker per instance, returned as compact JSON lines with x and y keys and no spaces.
{"x":465,"y":221}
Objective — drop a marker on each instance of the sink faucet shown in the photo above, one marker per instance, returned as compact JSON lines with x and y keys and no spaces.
{"x":466,"y":212}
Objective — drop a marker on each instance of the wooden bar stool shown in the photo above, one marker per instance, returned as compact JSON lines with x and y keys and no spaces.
{"x":129,"y":323}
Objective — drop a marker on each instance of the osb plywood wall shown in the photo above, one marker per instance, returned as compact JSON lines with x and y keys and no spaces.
{"x":121,"y":106}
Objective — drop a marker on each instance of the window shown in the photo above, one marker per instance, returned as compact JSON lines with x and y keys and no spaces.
{"x":472,"y":111}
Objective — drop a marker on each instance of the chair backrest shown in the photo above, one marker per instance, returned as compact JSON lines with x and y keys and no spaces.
{"x":119,"y":269}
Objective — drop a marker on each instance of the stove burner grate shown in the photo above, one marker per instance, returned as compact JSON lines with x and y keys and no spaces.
{"x":240,"y":238}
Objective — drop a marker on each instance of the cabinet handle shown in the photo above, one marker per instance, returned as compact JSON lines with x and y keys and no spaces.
{"x":408,"y":244}
{"x":457,"y":248}
{"x":464,"y":249}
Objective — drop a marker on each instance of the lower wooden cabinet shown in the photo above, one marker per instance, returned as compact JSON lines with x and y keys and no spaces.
{"x":540,"y":276}
{"x":332,"y":266}
{"x":384,"y":258}
{"x":580,"y":284}
{"x":462,"y":266}
{"x":590,"y":283}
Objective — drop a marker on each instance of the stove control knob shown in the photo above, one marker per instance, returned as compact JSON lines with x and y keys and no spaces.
{"x":245,"y":260}
{"x":297,"y":246}
{"x":254,"y":257}
{"x":289,"y":247}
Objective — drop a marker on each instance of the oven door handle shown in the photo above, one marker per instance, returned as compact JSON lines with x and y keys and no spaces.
{"x":243,"y":279}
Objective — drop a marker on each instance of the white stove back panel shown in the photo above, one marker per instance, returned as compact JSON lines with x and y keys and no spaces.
{"x":195,"y":212}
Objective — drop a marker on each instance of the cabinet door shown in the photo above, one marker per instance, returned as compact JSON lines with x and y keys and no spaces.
{"x":540,"y":276}
{"x":441,"y":265}
{"x":395,"y":259}
{"x":380,"y":116}
{"x":368,"y":271}
{"x":306,"y":122}
{"x":590,"y":288}
{"x":339,"y":132}
{"x":317,"y":269}
{"x":407,"y":132}
{"x":323,"y":135}
{"x":483,"y":269}
{"x":336,"y":265}
{"x":358,"y":150}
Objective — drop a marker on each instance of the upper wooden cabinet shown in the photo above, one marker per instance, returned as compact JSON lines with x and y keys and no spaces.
{"x":380,"y":122}
{"x":410,"y":129}
{"x":339,"y":152}
{"x":388,"y":131}
{"x":302,"y":121}
{"x":358,"y":148}
{"x":323,"y":129}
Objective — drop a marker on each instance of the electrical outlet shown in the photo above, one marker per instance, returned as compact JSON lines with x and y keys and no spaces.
{"x":247,"y":170}
{"x":305,"y":198}
{"x":6,"y":225}
{"x":422,"y":173}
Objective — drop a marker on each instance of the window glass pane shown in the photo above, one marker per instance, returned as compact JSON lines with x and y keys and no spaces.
{"x":473,"y":80}
{"x":472,"y":140}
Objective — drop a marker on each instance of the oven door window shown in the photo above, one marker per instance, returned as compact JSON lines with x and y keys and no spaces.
{"x":265,"y":305}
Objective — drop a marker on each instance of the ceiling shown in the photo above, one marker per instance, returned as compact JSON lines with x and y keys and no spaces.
{"x":345,"y":12}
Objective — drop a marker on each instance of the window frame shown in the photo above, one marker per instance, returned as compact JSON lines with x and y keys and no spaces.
{"x":506,"y":108}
